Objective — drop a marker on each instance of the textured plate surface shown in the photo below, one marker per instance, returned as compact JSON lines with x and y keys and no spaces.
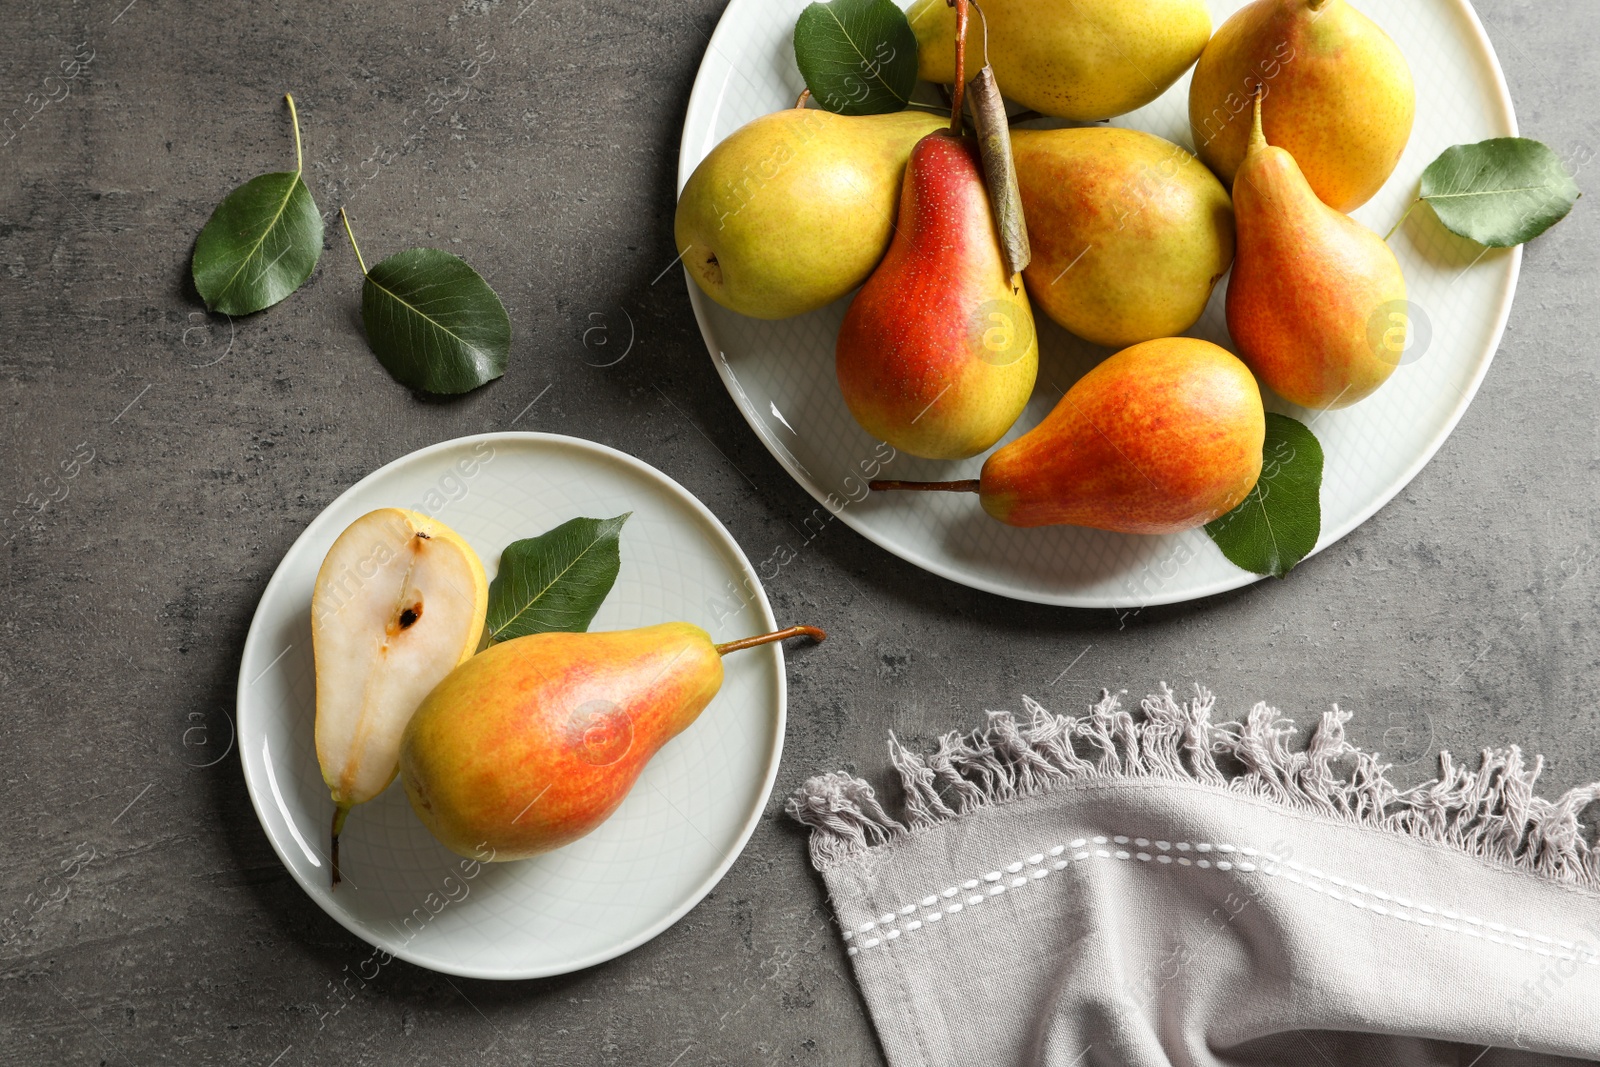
{"x":679,"y":829}
{"x":781,"y":373}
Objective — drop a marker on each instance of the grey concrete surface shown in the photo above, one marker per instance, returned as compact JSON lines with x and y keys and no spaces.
{"x":143,"y":916}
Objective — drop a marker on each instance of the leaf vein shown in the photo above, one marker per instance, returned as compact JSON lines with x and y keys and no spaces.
{"x":256,"y":246}
{"x":534,"y":599}
{"x":866,"y":64}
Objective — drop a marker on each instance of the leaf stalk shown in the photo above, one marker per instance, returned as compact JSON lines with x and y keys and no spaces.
{"x":1401,"y":220}
{"x":294,"y":120}
{"x":346,"y":220}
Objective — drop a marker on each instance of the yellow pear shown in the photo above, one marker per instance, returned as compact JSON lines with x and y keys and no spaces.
{"x":398,"y":603}
{"x":1159,"y":438}
{"x":793,"y":210}
{"x":1076,"y":59}
{"x":1130,"y":233}
{"x":1336,"y":94}
{"x":1309,"y":287}
{"x":535,"y":743}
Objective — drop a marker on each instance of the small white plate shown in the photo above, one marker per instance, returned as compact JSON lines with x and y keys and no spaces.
{"x":678,"y":831}
{"x":781,"y":373}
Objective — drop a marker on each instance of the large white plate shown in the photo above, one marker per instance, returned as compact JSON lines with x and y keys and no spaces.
{"x":675,"y":835}
{"x":781,"y":373}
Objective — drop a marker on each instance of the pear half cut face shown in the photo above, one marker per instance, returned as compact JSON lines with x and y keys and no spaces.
{"x":400,"y":601}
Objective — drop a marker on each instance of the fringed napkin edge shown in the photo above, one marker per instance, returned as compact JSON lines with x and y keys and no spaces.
{"x":1492,"y":812}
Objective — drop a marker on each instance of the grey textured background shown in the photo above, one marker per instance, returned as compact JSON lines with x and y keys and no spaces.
{"x":143,"y":916}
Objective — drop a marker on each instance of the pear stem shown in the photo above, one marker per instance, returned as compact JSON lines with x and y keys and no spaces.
{"x":1258,"y":138}
{"x":352,"y":237}
{"x":1401,"y":221}
{"x":966,"y":485}
{"x":339,"y":812}
{"x":959,"y":89}
{"x":777,"y":635}
{"x":805,"y":94}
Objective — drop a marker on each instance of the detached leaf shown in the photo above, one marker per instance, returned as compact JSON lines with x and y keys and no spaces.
{"x":556,"y":581}
{"x":434,"y":323}
{"x":993,"y":130}
{"x":1277,"y":525}
{"x":261,"y":243}
{"x":858,"y":57}
{"x":1499,"y":192}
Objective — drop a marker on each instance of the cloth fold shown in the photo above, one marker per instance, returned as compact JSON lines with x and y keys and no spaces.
{"x":1146,"y":888}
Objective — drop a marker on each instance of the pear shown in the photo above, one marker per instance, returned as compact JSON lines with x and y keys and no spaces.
{"x":1308,"y":287}
{"x":399,"y":600}
{"x":1075,"y":59}
{"x":535,"y":742}
{"x":1336,"y":94}
{"x":793,"y":210}
{"x":937,"y":354}
{"x":1161,"y":437}
{"x":1130,"y":233}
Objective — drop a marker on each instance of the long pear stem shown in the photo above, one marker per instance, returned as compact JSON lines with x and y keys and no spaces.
{"x":1401,"y":220}
{"x":339,"y":813}
{"x":294,"y":120}
{"x":966,"y":485}
{"x":960,"y":86}
{"x":777,"y":635}
{"x":1258,"y":138}
{"x":352,"y":237}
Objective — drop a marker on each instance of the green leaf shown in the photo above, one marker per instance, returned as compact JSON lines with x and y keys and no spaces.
{"x":434,"y":323}
{"x":1499,"y":192}
{"x":261,"y":243}
{"x":1277,"y":525}
{"x":858,"y":57}
{"x":556,"y":581}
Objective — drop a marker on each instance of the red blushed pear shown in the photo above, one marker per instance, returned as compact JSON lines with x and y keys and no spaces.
{"x":937,"y":354}
{"x":1161,"y":437}
{"x":1313,"y":292}
{"x":534,"y":742}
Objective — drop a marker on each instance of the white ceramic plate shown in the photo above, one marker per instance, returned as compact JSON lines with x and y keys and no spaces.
{"x":781,"y":373}
{"x":679,"y":829}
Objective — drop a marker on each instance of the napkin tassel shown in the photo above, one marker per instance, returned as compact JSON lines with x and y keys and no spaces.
{"x":1492,"y":812}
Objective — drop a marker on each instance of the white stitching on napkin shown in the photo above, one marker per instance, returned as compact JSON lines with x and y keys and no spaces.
{"x":1399,"y":908}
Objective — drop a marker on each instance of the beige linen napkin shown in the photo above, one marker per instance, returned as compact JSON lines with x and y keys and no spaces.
{"x":1144,"y":889}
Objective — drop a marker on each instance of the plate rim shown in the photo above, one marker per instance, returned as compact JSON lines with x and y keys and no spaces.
{"x":1020,"y":591}
{"x":248,"y":731}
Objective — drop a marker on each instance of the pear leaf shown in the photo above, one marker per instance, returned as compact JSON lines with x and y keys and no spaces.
{"x":556,"y":581}
{"x":858,"y":57}
{"x":434,"y":323}
{"x":1499,"y":192}
{"x":1278,"y":524}
{"x":261,"y":243}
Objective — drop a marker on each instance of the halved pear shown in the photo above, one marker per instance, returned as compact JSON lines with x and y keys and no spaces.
{"x":399,"y":602}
